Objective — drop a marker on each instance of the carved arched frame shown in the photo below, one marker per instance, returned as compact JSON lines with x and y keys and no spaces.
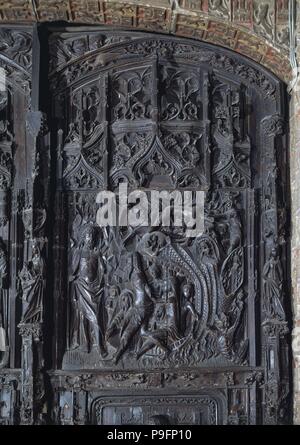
{"x":78,"y":63}
{"x":263,"y":179}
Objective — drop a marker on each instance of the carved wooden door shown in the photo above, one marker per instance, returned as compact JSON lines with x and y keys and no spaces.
{"x":144,"y":325}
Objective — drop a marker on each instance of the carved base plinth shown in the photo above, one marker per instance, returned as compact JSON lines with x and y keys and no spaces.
{"x":76,"y":359}
{"x":32,"y":381}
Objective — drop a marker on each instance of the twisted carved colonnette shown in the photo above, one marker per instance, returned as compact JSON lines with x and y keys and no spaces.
{"x":129,"y":325}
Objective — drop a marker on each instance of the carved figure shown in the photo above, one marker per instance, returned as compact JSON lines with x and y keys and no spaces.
{"x":227,"y":325}
{"x":86,"y":292}
{"x":3,"y":265}
{"x":121,"y":307}
{"x":136,"y":313}
{"x":32,"y":278}
{"x":273,"y":276}
{"x":3,"y":277}
{"x":235,"y":230}
{"x":263,"y":18}
{"x":111,"y":303}
{"x":189,"y":315}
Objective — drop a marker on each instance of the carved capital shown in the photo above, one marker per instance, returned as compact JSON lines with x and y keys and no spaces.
{"x":273,"y":125}
{"x":274,"y":328}
{"x":31,"y":330}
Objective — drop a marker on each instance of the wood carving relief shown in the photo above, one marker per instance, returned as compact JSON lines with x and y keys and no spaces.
{"x":200,"y":323}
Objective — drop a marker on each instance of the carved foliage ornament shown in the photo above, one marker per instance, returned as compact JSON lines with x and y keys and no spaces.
{"x":167,"y":48}
{"x":16,"y":45}
{"x":273,"y":125}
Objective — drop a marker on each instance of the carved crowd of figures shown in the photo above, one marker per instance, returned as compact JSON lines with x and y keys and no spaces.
{"x":141,"y":295}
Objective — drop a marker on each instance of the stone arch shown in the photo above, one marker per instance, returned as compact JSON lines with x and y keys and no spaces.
{"x":256,"y":29}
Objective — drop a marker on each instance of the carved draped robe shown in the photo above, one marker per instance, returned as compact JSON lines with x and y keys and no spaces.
{"x":272,"y":274}
{"x":86,"y":291}
{"x":33,"y":290}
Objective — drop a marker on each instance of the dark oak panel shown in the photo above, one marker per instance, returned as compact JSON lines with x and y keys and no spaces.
{"x":129,"y":325}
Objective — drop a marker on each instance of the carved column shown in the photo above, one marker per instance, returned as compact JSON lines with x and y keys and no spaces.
{"x":32,"y":277}
{"x":58,"y":256}
{"x":32,"y":380}
{"x":5,"y":192}
{"x":274,"y":322}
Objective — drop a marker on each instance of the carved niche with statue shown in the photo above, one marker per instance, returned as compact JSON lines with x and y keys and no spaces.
{"x":145,"y":320}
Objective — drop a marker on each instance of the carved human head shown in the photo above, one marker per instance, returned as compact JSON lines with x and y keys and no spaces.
{"x":187,"y":290}
{"x":35,"y":248}
{"x":113,"y":291}
{"x":126,"y":299}
{"x":153,"y":242}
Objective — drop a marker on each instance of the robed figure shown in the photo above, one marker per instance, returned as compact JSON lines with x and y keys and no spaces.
{"x":273,"y":276}
{"x":32,"y":278}
{"x":86,"y":291}
{"x":3,"y":276}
